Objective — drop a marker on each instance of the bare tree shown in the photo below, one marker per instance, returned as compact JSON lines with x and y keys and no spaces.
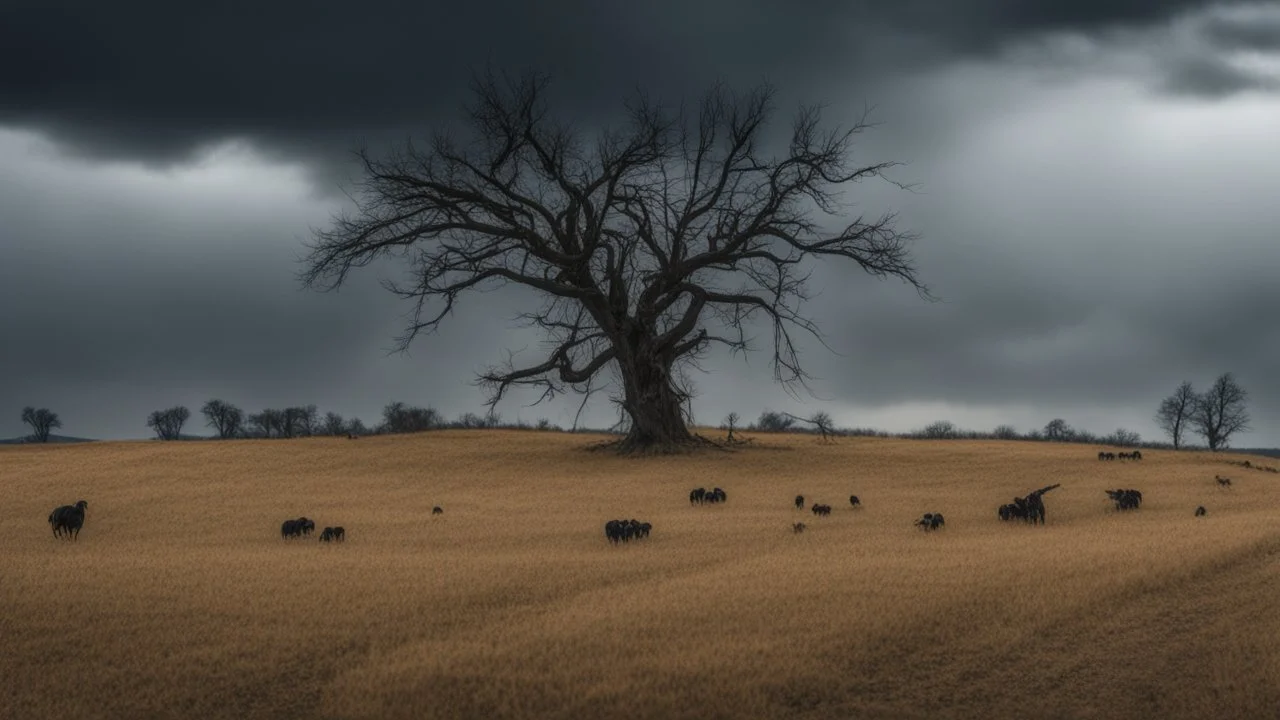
{"x":773,"y":421}
{"x":334,"y":424}
{"x":649,"y":245}
{"x":1005,"y":432}
{"x":1057,"y":430}
{"x":226,"y":419}
{"x":168,"y":423}
{"x":1174,"y":414}
{"x":1123,"y":438}
{"x":356,"y":426}
{"x":42,"y":421}
{"x":398,"y":417}
{"x":731,"y":423}
{"x":1220,"y":412}
{"x":826,"y":426}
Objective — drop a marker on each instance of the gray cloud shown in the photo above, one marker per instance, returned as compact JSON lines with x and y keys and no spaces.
{"x":1094,"y":243}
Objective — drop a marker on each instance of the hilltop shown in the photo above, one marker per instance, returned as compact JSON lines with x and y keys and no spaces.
{"x":180,"y":597}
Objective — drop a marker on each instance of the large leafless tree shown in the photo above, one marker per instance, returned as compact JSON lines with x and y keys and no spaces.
{"x":226,"y":419}
{"x":1174,"y":414}
{"x":42,"y":421}
{"x":1221,"y":412}
{"x":649,"y":244}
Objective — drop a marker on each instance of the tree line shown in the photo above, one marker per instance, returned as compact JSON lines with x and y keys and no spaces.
{"x":1217,"y":414}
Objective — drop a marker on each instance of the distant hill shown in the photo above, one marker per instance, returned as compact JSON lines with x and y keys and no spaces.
{"x":52,"y":439}
{"x":1269,"y":452}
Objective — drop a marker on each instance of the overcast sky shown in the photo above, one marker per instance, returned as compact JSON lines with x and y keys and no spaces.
{"x":1096,"y":200}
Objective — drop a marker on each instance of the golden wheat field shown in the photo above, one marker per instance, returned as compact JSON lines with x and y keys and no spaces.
{"x":180,"y":599}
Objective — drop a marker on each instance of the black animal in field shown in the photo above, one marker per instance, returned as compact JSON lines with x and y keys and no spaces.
{"x":819,"y":509}
{"x":854,"y":501}
{"x":339,"y":533}
{"x":1106,"y":456}
{"x":1201,"y":512}
{"x":67,"y":520}
{"x":618,"y":531}
{"x":1223,"y":482}
{"x":297,"y":528}
{"x":437,"y":510}
{"x":703,"y":496}
{"x":1125,"y":499}
{"x":1029,"y":509}
{"x":798,"y":527}
{"x":931,"y":521}
{"x":799,"y":502}
{"x":326,"y":535}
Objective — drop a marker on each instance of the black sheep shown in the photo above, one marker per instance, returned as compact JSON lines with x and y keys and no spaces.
{"x":67,"y":520}
{"x":799,"y":502}
{"x":854,"y":501}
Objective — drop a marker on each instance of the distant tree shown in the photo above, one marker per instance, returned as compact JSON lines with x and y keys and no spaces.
{"x":470,"y":421}
{"x":940,"y":430}
{"x":43,"y":422}
{"x":1123,"y":438}
{"x":823,"y":422}
{"x":333,"y":424}
{"x":356,"y":426}
{"x":398,"y":417}
{"x":771,"y":421}
{"x":1220,"y":412}
{"x":1005,"y":432}
{"x":226,"y":419}
{"x":168,"y":423}
{"x":1175,"y":412}
{"x":1058,"y":431}
{"x":268,"y":423}
{"x":731,"y":423}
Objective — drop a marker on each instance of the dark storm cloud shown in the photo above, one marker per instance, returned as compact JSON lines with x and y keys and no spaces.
{"x":157,"y":81}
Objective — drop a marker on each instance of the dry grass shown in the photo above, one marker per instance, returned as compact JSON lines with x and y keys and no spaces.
{"x":181,"y":600}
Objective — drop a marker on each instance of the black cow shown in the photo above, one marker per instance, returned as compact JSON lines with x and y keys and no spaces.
{"x":697,"y":496}
{"x":854,"y":501}
{"x":799,"y":502}
{"x":339,"y":534}
{"x":67,"y":520}
{"x":326,"y":535}
{"x":1201,"y":512}
{"x":437,"y":510}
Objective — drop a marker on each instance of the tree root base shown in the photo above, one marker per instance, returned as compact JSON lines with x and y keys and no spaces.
{"x":637,"y":448}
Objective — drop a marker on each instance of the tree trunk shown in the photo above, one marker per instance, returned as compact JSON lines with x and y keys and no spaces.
{"x":654,"y":406}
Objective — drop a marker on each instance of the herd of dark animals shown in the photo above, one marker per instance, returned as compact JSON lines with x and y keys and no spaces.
{"x":67,"y":520}
{"x":1135,"y":455}
{"x":626,"y":530}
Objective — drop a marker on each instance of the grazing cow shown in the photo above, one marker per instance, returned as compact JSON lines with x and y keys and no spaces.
{"x":931,"y":521}
{"x":305,"y":526}
{"x":1102,"y":455}
{"x":340,"y":533}
{"x":290,"y":528}
{"x":1201,"y":512}
{"x":697,"y":496}
{"x":1222,"y":481}
{"x":1136,"y":455}
{"x":821,"y":509}
{"x":799,"y":502}
{"x":717,"y":496}
{"x":67,"y":520}
{"x":854,"y":501}
{"x":437,"y":510}
{"x":326,"y":535}
{"x":797,"y":527}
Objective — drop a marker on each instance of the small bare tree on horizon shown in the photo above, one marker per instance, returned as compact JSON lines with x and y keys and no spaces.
{"x":1220,"y":412}
{"x":1174,"y":414}
{"x":649,"y":245}
{"x":226,"y":419}
{"x":42,"y":421}
{"x":167,"y":424}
